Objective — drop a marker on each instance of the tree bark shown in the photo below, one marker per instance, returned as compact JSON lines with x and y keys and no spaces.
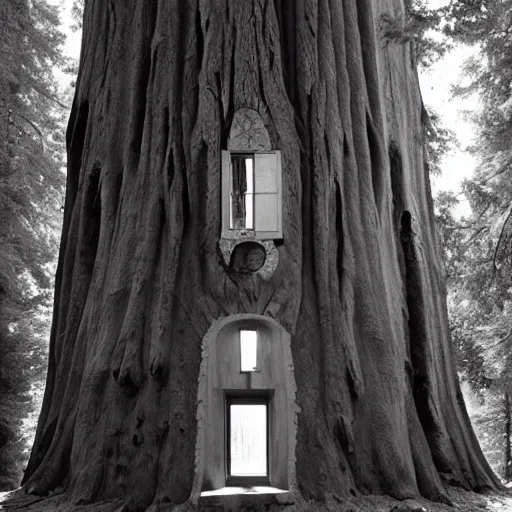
{"x":359,"y":284}
{"x":508,"y":432}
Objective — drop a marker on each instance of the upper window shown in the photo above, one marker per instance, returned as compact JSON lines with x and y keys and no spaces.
{"x":251,"y":195}
{"x":248,"y":351}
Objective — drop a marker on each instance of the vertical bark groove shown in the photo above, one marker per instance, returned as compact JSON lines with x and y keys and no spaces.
{"x":508,"y":433}
{"x":376,"y":163}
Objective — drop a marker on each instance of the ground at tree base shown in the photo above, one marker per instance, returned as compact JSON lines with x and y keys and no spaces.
{"x":463,"y":501}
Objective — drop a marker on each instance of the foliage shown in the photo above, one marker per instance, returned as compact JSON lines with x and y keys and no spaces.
{"x":438,"y":139}
{"x":480,"y":325}
{"x":489,"y":23}
{"x":478,"y":250}
{"x":420,"y":26}
{"x":77,"y":13}
{"x":31,"y":188}
{"x":480,"y":308}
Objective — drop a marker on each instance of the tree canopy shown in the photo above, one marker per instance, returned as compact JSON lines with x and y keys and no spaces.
{"x":31,"y":191}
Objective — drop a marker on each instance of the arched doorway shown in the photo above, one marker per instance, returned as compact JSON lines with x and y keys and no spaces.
{"x":246,"y":414}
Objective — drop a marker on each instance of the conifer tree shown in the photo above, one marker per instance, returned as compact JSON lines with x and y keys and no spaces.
{"x":31,"y":119}
{"x":479,"y":248}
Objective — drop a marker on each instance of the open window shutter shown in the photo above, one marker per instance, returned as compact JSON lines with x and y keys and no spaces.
{"x":267,"y":195}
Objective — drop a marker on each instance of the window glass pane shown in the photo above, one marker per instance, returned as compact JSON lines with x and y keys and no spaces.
{"x":248,"y":351}
{"x":242,"y":189}
{"x":249,"y":175}
{"x":249,"y":198}
{"x":248,"y":439}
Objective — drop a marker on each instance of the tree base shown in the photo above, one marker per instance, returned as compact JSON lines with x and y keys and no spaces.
{"x":463,"y":501}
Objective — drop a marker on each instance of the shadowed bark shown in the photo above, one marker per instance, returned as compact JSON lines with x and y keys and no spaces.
{"x":359,"y":285}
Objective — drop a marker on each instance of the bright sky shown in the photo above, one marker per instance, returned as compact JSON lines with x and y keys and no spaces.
{"x":73,"y":40}
{"x":435,"y":88}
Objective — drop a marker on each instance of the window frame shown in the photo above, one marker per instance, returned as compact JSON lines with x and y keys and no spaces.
{"x":226,"y":186}
{"x":246,"y":397}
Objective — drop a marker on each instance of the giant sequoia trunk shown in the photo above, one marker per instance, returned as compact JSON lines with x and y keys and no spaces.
{"x":141,"y":278}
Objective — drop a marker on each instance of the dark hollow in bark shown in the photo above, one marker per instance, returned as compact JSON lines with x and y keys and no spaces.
{"x":508,"y":433}
{"x":140,"y":279}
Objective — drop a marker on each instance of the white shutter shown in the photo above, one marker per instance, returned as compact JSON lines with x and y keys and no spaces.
{"x":267,"y":195}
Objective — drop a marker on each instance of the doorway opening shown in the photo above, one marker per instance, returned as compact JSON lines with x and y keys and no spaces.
{"x":247,"y":441}
{"x":246,"y":410}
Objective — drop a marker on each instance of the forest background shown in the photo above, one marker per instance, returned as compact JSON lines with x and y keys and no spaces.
{"x":36,"y":90}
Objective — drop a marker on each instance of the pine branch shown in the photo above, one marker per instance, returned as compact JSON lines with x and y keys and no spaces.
{"x":500,"y":240}
{"x":37,"y":130}
{"x":50,"y":97}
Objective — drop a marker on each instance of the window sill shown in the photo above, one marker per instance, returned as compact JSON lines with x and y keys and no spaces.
{"x":248,"y":234}
{"x":232,"y":490}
